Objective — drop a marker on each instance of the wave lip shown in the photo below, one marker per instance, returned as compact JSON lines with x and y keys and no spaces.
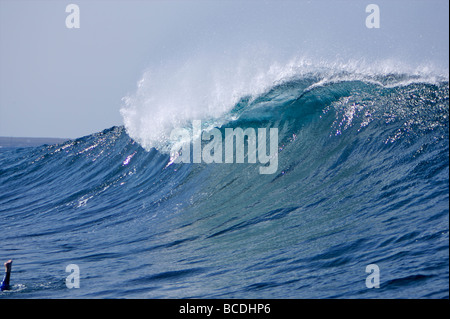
{"x":173,"y":95}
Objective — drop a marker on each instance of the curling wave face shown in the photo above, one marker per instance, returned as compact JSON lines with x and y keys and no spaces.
{"x":362,"y":178}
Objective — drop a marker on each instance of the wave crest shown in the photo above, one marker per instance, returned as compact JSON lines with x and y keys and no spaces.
{"x":217,"y":91}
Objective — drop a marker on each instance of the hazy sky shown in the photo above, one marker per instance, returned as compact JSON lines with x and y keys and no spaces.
{"x":60,"y":82}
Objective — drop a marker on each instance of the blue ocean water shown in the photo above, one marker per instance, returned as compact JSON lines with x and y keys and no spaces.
{"x":363,"y":178}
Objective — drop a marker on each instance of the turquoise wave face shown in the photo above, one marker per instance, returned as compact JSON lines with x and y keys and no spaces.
{"x":362,"y":178}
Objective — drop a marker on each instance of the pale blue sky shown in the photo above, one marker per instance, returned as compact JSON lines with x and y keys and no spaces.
{"x":59,"y":82}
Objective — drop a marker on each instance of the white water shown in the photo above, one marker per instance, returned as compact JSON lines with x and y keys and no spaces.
{"x":174,"y":93}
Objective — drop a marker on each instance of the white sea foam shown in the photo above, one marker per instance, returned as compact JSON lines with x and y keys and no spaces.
{"x":174,"y":93}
